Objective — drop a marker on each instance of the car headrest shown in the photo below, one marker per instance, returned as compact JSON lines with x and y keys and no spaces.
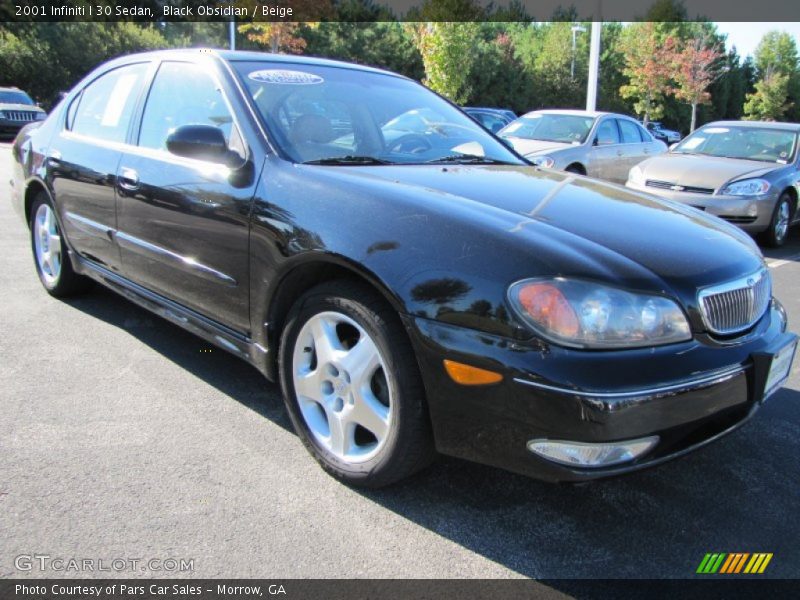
{"x":311,"y":128}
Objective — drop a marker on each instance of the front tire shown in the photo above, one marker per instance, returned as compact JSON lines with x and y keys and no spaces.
{"x":775,"y":236}
{"x":352,"y":386}
{"x":50,"y":254}
{"x":575,"y":168}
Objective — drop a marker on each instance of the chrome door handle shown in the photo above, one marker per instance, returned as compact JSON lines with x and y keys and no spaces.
{"x":128,"y":179}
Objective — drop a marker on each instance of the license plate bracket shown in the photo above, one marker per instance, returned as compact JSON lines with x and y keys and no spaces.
{"x":773,"y":367}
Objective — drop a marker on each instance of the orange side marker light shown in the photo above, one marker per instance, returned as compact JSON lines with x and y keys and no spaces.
{"x":468,"y":375}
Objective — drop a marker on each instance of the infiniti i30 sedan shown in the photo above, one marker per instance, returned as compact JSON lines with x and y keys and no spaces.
{"x":465,"y":303}
{"x":745,"y":172}
{"x":598,"y":144}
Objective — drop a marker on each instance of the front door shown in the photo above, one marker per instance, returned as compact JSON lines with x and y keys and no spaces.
{"x":184,"y":223}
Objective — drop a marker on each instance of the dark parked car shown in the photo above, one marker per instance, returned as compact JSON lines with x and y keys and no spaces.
{"x":468,"y":303}
{"x":17,"y":109}
{"x":658,"y":131}
{"x":494,"y":119}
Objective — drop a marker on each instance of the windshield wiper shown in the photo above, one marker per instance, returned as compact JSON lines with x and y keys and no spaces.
{"x":348,"y":160}
{"x":469,"y":159}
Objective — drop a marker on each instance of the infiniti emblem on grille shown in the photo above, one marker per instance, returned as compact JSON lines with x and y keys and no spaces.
{"x":751,"y":282}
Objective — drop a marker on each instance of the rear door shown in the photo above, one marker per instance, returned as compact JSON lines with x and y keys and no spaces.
{"x":83,"y":159}
{"x":184,"y":223}
{"x":634,"y":148}
{"x":605,"y":152}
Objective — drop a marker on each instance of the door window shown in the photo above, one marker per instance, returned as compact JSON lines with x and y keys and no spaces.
{"x":182,"y":94}
{"x":607,"y":133}
{"x":105,"y":107}
{"x":630,"y":132}
{"x":646,"y":137}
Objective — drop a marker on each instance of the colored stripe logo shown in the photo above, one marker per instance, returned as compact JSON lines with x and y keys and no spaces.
{"x":733,"y":563}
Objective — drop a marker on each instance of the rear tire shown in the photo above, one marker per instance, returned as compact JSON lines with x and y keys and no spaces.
{"x":778,"y":231}
{"x":352,"y":386}
{"x":50,"y":256}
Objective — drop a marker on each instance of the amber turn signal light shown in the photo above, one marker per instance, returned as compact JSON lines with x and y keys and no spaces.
{"x":467,"y":375}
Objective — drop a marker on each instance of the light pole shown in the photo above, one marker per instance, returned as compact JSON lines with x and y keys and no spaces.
{"x":594,"y":66}
{"x":576,"y":29}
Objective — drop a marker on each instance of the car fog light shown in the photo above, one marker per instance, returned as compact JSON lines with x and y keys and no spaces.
{"x":752,"y":210}
{"x":581,"y":454}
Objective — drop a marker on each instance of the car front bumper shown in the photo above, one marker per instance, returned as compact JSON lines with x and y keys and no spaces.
{"x":687,"y":394}
{"x":10,"y":127}
{"x":752,"y":214}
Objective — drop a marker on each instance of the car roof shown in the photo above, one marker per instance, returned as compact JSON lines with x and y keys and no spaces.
{"x":9,"y":89}
{"x":575,"y":112}
{"x":759,"y":124}
{"x":246,"y":55}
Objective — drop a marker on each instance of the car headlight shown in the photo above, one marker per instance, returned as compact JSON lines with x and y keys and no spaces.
{"x":41,"y":116}
{"x":636,"y":175}
{"x":546,"y":162}
{"x":2,"y":114}
{"x":747,"y":187}
{"x":583,"y":314}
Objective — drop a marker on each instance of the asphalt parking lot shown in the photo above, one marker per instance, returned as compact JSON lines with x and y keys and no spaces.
{"x":122,"y":436}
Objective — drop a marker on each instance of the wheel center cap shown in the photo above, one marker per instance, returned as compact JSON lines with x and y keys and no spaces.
{"x":340,"y":387}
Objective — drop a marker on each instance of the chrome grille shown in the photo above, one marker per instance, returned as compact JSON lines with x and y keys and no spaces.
{"x":668,"y":185}
{"x":20,"y":115}
{"x":737,"y":305}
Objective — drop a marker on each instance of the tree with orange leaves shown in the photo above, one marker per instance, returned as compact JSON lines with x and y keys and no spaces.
{"x":696,"y":67}
{"x":279,"y":35}
{"x":649,"y":55}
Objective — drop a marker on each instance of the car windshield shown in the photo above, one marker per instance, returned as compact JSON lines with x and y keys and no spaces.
{"x":749,"y":143}
{"x":550,"y":128}
{"x":333,"y":115}
{"x":13,"y":97}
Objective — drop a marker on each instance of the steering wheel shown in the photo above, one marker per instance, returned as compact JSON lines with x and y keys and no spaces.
{"x":410,"y":143}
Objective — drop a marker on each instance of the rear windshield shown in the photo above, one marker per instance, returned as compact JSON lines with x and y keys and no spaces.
{"x":10,"y":97}
{"x":550,"y":128}
{"x":748,"y":143}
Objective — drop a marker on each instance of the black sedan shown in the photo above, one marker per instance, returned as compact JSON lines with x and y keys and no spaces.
{"x":465,"y":302}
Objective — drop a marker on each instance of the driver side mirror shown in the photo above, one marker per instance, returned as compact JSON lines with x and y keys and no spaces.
{"x":202,"y":142}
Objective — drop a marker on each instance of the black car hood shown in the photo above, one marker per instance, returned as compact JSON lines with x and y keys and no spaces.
{"x":606,"y":225}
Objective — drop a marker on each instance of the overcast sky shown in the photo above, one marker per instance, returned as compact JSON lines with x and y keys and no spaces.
{"x":745,"y":36}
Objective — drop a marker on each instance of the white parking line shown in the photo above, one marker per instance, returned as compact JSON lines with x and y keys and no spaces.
{"x":774,"y":264}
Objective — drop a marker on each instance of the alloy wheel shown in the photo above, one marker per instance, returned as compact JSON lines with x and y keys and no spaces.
{"x":340,"y":380}
{"x":47,"y":244}
{"x":782,"y":221}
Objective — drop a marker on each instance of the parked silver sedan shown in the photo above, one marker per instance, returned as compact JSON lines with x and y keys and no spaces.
{"x":746,"y":172}
{"x":598,"y":144}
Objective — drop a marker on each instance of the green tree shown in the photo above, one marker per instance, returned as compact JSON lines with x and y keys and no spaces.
{"x":447,"y":53}
{"x":495,"y":76}
{"x":46,"y":58}
{"x":367,"y":34}
{"x":769,"y":101}
{"x":777,"y":53}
